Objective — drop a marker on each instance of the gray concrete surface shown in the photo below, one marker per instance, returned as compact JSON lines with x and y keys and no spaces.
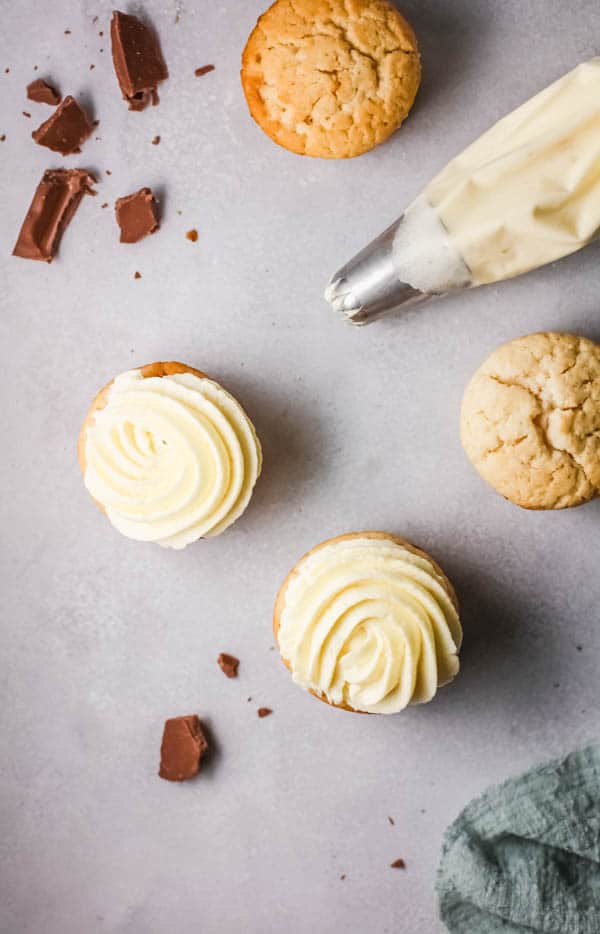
{"x":102,"y":638}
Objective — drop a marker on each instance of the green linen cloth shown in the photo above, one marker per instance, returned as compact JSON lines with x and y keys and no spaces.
{"x":526,"y":855}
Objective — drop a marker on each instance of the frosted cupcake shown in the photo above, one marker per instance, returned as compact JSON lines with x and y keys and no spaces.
{"x":169,"y":455}
{"x":369,"y":623}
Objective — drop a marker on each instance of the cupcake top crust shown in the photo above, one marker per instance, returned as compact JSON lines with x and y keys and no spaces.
{"x":330,"y":78}
{"x":367,"y":622}
{"x":530,"y":420}
{"x":169,"y":458}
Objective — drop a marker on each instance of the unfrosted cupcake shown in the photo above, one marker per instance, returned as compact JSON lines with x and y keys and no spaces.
{"x":169,"y":455}
{"x":368,"y":622}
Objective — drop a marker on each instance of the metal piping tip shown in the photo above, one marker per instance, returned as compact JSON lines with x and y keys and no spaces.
{"x":368,"y":287}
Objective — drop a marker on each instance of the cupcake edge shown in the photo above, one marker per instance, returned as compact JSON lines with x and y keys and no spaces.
{"x":347,"y":536}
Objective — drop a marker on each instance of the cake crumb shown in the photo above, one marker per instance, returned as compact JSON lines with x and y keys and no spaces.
{"x":398,"y":864}
{"x":156,"y":141}
{"x":192,"y":235}
{"x":137,"y":275}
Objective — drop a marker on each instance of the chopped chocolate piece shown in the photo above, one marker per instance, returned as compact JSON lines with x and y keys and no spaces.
{"x":264,"y":712}
{"x":54,"y":203}
{"x":391,"y":820}
{"x":95,"y":19}
{"x":92,"y":67}
{"x":137,"y":275}
{"x":101,"y":33}
{"x":25,"y":113}
{"x":136,"y":215}
{"x":105,"y":205}
{"x":192,"y":235}
{"x":67,"y":32}
{"x":42,"y":93}
{"x":66,"y":129}
{"x":156,"y":141}
{"x":204,"y":70}
{"x":183,"y":745}
{"x":2,"y":138}
{"x":228,"y":664}
{"x":398,"y":864}
{"x":138,"y":60}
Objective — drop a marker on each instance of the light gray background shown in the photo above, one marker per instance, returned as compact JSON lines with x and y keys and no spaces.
{"x":104,"y":638}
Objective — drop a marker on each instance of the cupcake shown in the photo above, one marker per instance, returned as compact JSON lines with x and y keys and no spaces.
{"x":530,"y":420}
{"x":369,"y":623}
{"x":169,"y":455}
{"x":329,"y":78}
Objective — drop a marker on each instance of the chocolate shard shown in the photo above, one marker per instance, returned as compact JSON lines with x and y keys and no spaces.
{"x":54,"y":203}
{"x":398,"y":864}
{"x":138,"y":60}
{"x":228,"y":664}
{"x":42,"y":93}
{"x":66,"y":129}
{"x":204,"y":70}
{"x":183,"y":745}
{"x":136,"y":215}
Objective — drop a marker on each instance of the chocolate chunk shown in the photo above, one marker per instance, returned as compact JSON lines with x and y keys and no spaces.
{"x":138,"y":60}
{"x":42,"y":93}
{"x":183,"y":745}
{"x":264,"y":712}
{"x":192,"y":235}
{"x":136,"y":215}
{"x":137,"y":275}
{"x":54,"y":203}
{"x":204,"y":70}
{"x":228,"y":664}
{"x":156,"y":141}
{"x":398,"y":864}
{"x":66,"y":129}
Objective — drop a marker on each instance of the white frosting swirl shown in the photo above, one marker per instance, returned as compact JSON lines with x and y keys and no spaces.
{"x":171,"y":458}
{"x":368,"y":623}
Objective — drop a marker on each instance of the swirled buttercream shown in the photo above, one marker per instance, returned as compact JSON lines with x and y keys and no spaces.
{"x":170,"y":459}
{"x":366,"y":622}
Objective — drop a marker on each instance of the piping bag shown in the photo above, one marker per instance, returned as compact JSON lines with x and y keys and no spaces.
{"x":524,"y":194}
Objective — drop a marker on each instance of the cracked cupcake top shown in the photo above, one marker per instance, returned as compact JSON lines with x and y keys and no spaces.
{"x":330,"y":78}
{"x":530,"y":420}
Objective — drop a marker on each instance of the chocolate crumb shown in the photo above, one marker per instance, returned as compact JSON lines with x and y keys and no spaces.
{"x":25,"y":113}
{"x":228,"y":664}
{"x":137,"y":275}
{"x":92,"y":67}
{"x":42,"y":93}
{"x":101,"y":33}
{"x":391,"y":820}
{"x":264,"y":712}
{"x":105,"y":205}
{"x":192,"y":235}
{"x":136,"y":215}
{"x":398,"y":864}
{"x":67,"y":128}
{"x":579,"y":648}
{"x":183,"y":745}
{"x":249,"y":699}
{"x":204,"y":70}
{"x":6,"y":71}
{"x":156,"y":141}
{"x":35,"y":67}
{"x":67,"y":32}
{"x":180,"y":213}
{"x":343,"y":876}
{"x":95,"y":122}
{"x":2,"y":138}
{"x":108,"y":172}
{"x":54,"y":203}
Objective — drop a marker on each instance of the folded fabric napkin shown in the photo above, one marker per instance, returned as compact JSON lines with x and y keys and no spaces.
{"x":526,"y":855}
